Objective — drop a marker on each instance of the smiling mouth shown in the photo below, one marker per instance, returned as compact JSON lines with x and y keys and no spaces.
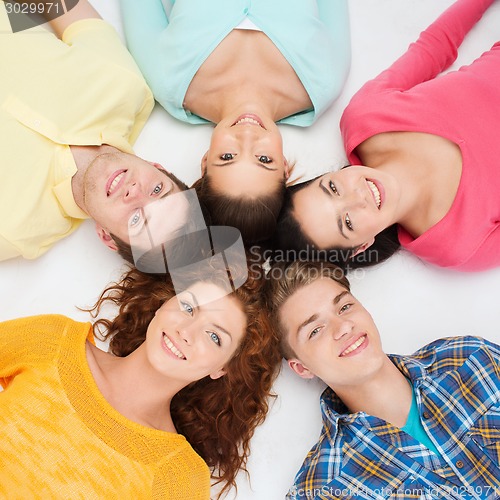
{"x":354,"y":346}
{"x":114,"y":181}
{"x":375,"y":192}
{"x":249,"y":120}
{"x":168,"y":343}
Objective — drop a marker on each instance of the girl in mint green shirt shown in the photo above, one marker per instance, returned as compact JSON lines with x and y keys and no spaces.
{"x":245,"y":66}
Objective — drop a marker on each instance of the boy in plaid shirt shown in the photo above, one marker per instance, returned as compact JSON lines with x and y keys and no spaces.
{"x":423,"y":426}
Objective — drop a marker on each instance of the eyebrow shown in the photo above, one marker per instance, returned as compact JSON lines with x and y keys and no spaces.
{"x":193,"y":298}
{"x":340,"y":296}
{"x":223,"y":330}
{"x":339,"y":219}
{"x":258,"y":164}
{"x":315,"y":316}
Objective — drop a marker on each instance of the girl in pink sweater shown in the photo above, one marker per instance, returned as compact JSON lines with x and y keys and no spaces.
{"x":425,"y":153}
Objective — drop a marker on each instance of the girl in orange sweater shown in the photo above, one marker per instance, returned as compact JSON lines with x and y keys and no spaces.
{"x":184,"y":386}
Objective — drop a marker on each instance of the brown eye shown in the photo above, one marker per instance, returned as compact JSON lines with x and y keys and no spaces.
{"x":333,"y":188}
{"x":348,"y":222}
{"x":264,"y":159}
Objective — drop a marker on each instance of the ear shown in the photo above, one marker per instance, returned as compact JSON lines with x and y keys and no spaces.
{"x":363,"y":247}
{"x":300,"y":369}
{"x":217,"y":374}
{"x":105,"y":237}
{"x":287,"y":168}
{"x":156,"y":165}
{"x":203,"y":164}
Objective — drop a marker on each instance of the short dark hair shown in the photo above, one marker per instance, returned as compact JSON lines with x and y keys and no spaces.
{"x":122,"y":247}
{"x":289,"y":235}
{"x":284,"y":280}
{"x":254,"y":217}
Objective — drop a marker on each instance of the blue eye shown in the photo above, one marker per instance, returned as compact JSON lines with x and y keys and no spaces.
{"x":157,"y":189}
{"x":214,"y":338}
{"x":187,"y":307}
{"x":135,"y":219}
{"x":227,"y":156}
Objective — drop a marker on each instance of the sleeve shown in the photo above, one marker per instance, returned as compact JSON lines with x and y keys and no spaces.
{"x":434,"y":51}
{"x":99,"y":39}
{"x":494,"y":349}
{"x":7,"y":249}
{"x":144,"y":21}
{"x":335,"y":15}
{"x":27,"y":342}
{"x":20,"y":341}
{"x":488,"y":254}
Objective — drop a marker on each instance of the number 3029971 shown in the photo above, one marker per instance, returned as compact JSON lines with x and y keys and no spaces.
{"x":33,"y":8}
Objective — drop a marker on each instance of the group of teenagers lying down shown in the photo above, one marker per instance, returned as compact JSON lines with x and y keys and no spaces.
{"x":196,"y":345}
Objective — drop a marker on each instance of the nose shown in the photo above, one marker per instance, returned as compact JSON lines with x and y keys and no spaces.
{"x":355,"y":199}
{"x":247,"y":133}
{"x":132,"y":192}
{"x":186,"y":332}
{"x":343,"y":327}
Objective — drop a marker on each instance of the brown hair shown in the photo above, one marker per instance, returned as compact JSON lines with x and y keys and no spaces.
{"x":285,"y":280}
{"x":289,"y":235}
{"x":254,"y":217}
{"x":217,"y":417}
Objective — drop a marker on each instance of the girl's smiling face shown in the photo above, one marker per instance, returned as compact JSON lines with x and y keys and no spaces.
{"x":348,"y":208}
{"x":195,"y":333}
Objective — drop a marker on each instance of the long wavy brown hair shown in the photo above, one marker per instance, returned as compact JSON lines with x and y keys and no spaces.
{"x":217,"y":417}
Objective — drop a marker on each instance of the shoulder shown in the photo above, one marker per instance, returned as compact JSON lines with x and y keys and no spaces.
{"x":192,"y":475}
{"x":452,"y":352}
{"x":31,"y":341}
{"x":41,"y":332}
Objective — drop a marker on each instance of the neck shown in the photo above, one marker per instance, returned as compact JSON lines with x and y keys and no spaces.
{"x":135,"y":389}
{"x":386,"y":395}
{"x":84,"y":156}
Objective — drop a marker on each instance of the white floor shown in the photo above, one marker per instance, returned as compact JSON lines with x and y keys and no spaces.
{"x":412,"y":303}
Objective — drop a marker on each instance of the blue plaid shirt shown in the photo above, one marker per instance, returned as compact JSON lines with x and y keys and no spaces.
{"x":457,"y":386}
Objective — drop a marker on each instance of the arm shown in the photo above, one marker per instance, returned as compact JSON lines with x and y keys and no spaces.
{"x":487,"y":255}
{"x":75,"y":10}
{"x":434,"y":51}
{"x":144,"y":21}
{"x":16,"y":347}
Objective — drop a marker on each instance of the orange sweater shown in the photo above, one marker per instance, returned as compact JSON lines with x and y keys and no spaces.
{"x":59,"y":438}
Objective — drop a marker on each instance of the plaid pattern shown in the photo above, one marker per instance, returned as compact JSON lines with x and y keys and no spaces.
{"x":457,"y":385}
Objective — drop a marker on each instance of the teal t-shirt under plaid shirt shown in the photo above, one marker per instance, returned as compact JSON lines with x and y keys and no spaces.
{"x":457,"y":389}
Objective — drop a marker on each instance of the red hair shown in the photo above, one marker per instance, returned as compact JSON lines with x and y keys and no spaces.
{"x":217,"y":417}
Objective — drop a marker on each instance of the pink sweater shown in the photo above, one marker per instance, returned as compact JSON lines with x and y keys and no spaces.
{"x":462,"y":106}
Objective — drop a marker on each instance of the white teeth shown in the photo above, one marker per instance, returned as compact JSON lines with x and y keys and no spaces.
{"x":248,"y":120}
{"x":115,"y":182}
{"x":354,"y":346}
{"x":375,"y":191}
{"x":172,"y":347}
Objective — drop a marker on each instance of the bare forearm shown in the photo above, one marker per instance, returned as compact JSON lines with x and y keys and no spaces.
{"x":59,"y":13}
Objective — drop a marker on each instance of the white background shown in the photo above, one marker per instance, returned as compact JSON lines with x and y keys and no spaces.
{"x":411,"y":302}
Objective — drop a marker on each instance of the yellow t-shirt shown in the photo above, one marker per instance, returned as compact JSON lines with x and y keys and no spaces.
{"x":60,"y":439}
{"x":83,"y":90}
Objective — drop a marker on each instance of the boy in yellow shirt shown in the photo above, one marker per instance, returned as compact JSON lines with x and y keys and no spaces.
{"x":72,"y":103}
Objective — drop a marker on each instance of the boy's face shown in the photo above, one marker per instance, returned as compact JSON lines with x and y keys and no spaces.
{"x":332,"y":334}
